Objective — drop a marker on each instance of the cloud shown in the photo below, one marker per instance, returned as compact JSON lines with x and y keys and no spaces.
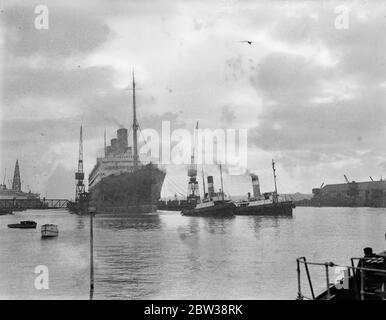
{"x":56,"y":82}
{"x":227,"y":115}
{"x":71,"y":31}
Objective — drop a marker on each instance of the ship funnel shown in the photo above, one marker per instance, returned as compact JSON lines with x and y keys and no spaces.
{"x":255,"y":186}
{"x":122,"y":140}
{"x":114,"y":146}
{"x":210,"y":186}
{"x":108,"y":150}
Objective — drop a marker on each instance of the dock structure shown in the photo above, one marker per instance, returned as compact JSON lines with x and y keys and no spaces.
{"x":34,"y":203}
{"x":350,"y":194}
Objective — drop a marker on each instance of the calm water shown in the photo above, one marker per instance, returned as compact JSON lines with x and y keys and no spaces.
{"x":168,"y":256}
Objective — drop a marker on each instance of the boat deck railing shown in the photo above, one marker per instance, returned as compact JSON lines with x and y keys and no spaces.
{"x":351,"y":271}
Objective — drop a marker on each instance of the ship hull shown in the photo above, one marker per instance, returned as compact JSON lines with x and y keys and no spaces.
{"x":219,"y":210}
{"x":128,"y":193}
{"x":269,"y":209}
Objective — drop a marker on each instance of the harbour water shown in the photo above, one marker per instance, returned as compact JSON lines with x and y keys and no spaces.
{"x":169,"y":256}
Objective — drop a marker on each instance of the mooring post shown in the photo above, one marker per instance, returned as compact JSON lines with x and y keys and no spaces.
{"x":91,"y":212}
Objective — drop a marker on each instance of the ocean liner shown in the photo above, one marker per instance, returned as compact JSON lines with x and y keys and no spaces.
{"x":120,"y":182}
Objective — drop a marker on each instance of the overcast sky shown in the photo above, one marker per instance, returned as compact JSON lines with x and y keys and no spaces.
{"x":311,"y":95}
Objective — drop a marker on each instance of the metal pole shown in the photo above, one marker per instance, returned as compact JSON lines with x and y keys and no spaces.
{"x":91,"y":256}
{"x":362,"y":286}
{"x":328,"y":282}
{"x":309,"y":279}
{"x":300,"y":297}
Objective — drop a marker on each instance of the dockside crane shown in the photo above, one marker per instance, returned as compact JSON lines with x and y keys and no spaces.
{"x":79,"y":175}
{"x":345,"y":177}
{"x":193,"y":191}
{"x":371,"y":178}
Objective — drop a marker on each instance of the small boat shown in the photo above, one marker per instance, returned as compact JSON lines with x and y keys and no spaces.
{"x":23,"y":225}
{"x":49,"y":230}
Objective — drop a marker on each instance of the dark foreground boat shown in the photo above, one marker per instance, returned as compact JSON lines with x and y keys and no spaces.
{"x":23,"y":225}
{"x":366,"y":281}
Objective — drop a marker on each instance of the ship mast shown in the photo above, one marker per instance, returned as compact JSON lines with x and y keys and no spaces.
{"x":202,"y":166}
{"x":222,"y":187}
{"x":274,"y":179}
{"x":105,"y":143}
{"x":135,"y":127}
{"x":203,"y":181}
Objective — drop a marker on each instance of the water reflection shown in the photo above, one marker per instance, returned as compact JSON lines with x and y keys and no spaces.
{"x":258,"y":223}
{"x":138,"y":222}
{"x":217,"y":225}
{"x":80,"y":223}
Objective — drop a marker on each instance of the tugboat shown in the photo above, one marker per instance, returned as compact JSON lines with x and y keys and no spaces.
{"x":49,"y":230}
{"x":366,"y":281}
{"x":266,"y":204}
{"x":211,"y":209}
{"x":214,"y":204}
{"x":23,"y":225}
